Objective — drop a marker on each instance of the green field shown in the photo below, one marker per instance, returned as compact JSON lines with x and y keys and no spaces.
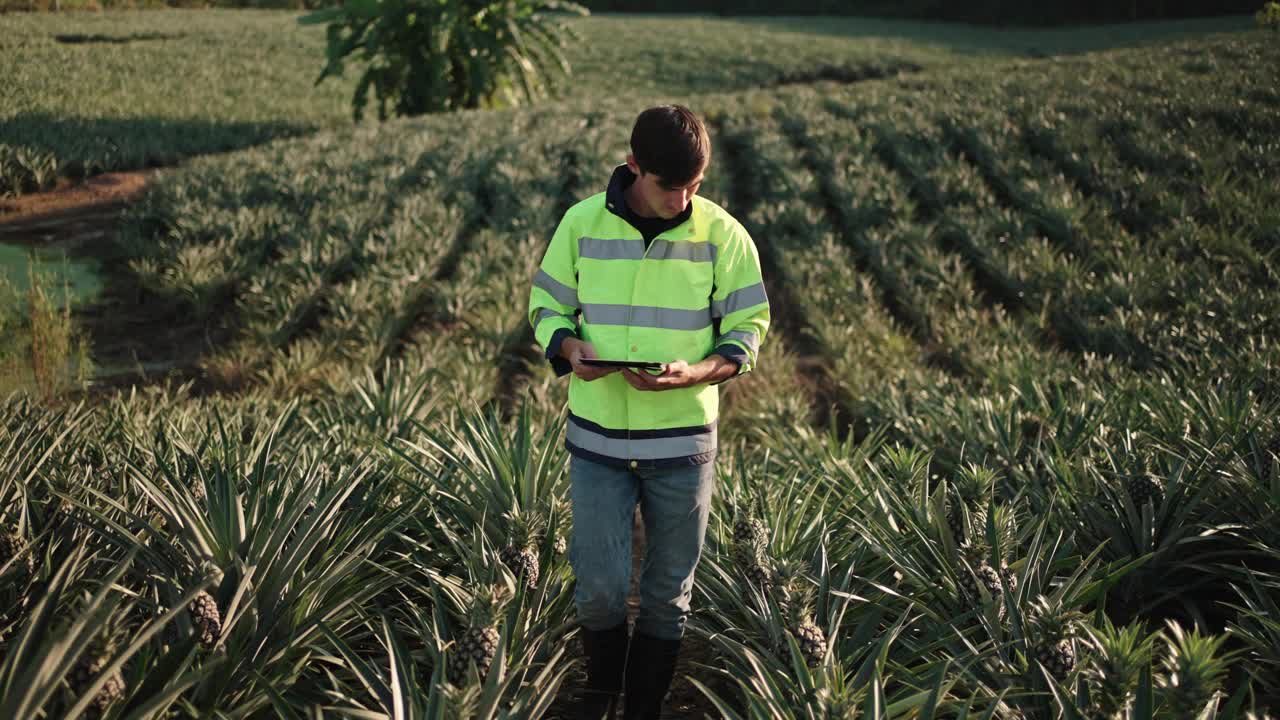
{"x":125,"y":90}
{"x":1025,"y":344}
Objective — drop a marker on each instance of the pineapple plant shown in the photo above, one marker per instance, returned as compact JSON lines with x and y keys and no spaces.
{"x":968,"y":525}
{"x":967,"y":504}
{"x":479,"y":644}
{"x":93,"y":456}
{"x":1145,"y":487}
{"x":12,"y":545}
{"x":1192,"y":671}
{"x":796,"y":603}
{"x":749,"y":547}
{"x":206,"y":619}
{"x":521,"y":554}
{"x":750,"y":533}
{"x":92,"y":662}
{"x":1117,"y":656}
{"x":976,"y":576}
{"x":1051,"y":632}
{"x":956,"y":521}
{"x":809,"y":635}
{"x":198,"y":491}
{"x":557,"y":515}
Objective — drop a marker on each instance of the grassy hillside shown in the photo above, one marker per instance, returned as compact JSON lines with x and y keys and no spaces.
{"x":1013,"y":433}
{"x":126,"y":90}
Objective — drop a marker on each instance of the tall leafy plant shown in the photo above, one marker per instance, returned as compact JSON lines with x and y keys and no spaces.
{"x":423,"y":56}
{"x":1269,"y":16}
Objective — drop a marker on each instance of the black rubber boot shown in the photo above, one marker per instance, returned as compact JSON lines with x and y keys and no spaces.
{"x":606,"y":652}
{"x":651,"y":664}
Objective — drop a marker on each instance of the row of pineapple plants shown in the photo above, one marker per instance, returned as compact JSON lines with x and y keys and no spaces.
{"x":978,"y":593}
{"x":1199,"y":251}
{"x":234,"y":569}
{"x":1024,"y":252}
{"x":860,"y":354}
{"x":279,"y":302}
{"x":837,"y":325}
{"x":214,"y":254}
{"x":899,"y":262}
{"x":957,"y":276}
{"x":897,"y":579}
{"x":289,"y":302}
{"x":575,"y":166}
{"x":738,"y":180}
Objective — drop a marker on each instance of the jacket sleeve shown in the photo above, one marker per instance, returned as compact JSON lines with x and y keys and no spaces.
{"x":739,"y":305}
{"x":553,"y":299}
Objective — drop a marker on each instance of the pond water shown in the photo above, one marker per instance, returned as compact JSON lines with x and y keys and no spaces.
{"x":56,"y":269}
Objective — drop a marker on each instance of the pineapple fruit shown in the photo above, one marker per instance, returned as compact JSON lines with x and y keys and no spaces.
{"x":1145,"y":487}
{"x":11,"y":545}
{"x":206,"y":619}
{"x":796,"y":601}
{"x":749,"y":547}
{"x":479,"y":644}
{"x":1050,"y":637}
{"x":976,"y":575}
{"x":521,"y":554}
{"x":809,"y":635}
{"x":92,"y":662}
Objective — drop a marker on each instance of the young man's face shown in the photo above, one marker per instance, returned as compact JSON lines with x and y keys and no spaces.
{"x":655,"y":197}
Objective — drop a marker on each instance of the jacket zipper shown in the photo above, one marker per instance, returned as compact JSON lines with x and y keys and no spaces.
{"x":630,"y":308}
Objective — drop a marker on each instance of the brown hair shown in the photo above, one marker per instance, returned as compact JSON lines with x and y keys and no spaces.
{"x":671,"y":142}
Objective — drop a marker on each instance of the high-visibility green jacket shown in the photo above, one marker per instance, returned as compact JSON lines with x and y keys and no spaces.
{"x":695,"y":289}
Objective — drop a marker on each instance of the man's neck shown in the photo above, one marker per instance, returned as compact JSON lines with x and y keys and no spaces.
{"x":633,"y":202}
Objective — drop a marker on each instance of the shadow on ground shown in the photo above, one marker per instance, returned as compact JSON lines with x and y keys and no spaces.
{"x":89,"y":146}
{"x":981,"y":40}
{"x":79,"y":38}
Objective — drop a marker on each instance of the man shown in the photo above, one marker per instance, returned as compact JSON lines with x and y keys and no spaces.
{"x":657,"y":274}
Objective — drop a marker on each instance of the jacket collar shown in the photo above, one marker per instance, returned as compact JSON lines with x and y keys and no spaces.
{"x":616,"y":202}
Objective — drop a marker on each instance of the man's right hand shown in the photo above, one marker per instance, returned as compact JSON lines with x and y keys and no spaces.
{"x":575,"y":350}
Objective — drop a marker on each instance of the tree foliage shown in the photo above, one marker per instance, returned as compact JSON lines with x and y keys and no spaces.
{"x":425,"y":56}
{"x":1269,"y":16}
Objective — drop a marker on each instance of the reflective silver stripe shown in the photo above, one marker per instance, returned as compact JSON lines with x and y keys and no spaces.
{"x":740,"y":299}
{"x":602,"y":249}
{"x":563,"y":294}
{"x":750,"y":339}
{"x":641,"y":316}
{"x":647,"y":449}
{"x":545,"y":313}
{"x":599,"y":249}
{"x":682,"y":250}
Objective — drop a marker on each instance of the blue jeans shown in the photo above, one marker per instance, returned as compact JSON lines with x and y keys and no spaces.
{"x":674,"y":504}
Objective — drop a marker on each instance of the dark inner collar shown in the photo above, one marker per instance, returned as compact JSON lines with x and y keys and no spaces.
{"x":616,"y":201}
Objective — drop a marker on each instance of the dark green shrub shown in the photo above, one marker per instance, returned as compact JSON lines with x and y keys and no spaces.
{"x":1269,"y":16}
{"x":426,"y":56}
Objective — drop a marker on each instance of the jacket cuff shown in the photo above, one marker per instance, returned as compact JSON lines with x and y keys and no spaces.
{"x":559,"y":364}
{"x":733,"y":354}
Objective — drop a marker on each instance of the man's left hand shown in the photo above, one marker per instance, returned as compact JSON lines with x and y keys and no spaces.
{"x":678,"y":374}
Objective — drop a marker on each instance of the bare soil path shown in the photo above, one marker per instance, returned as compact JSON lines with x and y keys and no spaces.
{"x":133,"y":337}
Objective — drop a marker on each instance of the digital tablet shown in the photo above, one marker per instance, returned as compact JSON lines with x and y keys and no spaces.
{"x":635,"y":364}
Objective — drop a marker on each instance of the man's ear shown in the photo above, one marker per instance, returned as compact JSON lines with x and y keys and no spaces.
{"x":632,"y":165}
